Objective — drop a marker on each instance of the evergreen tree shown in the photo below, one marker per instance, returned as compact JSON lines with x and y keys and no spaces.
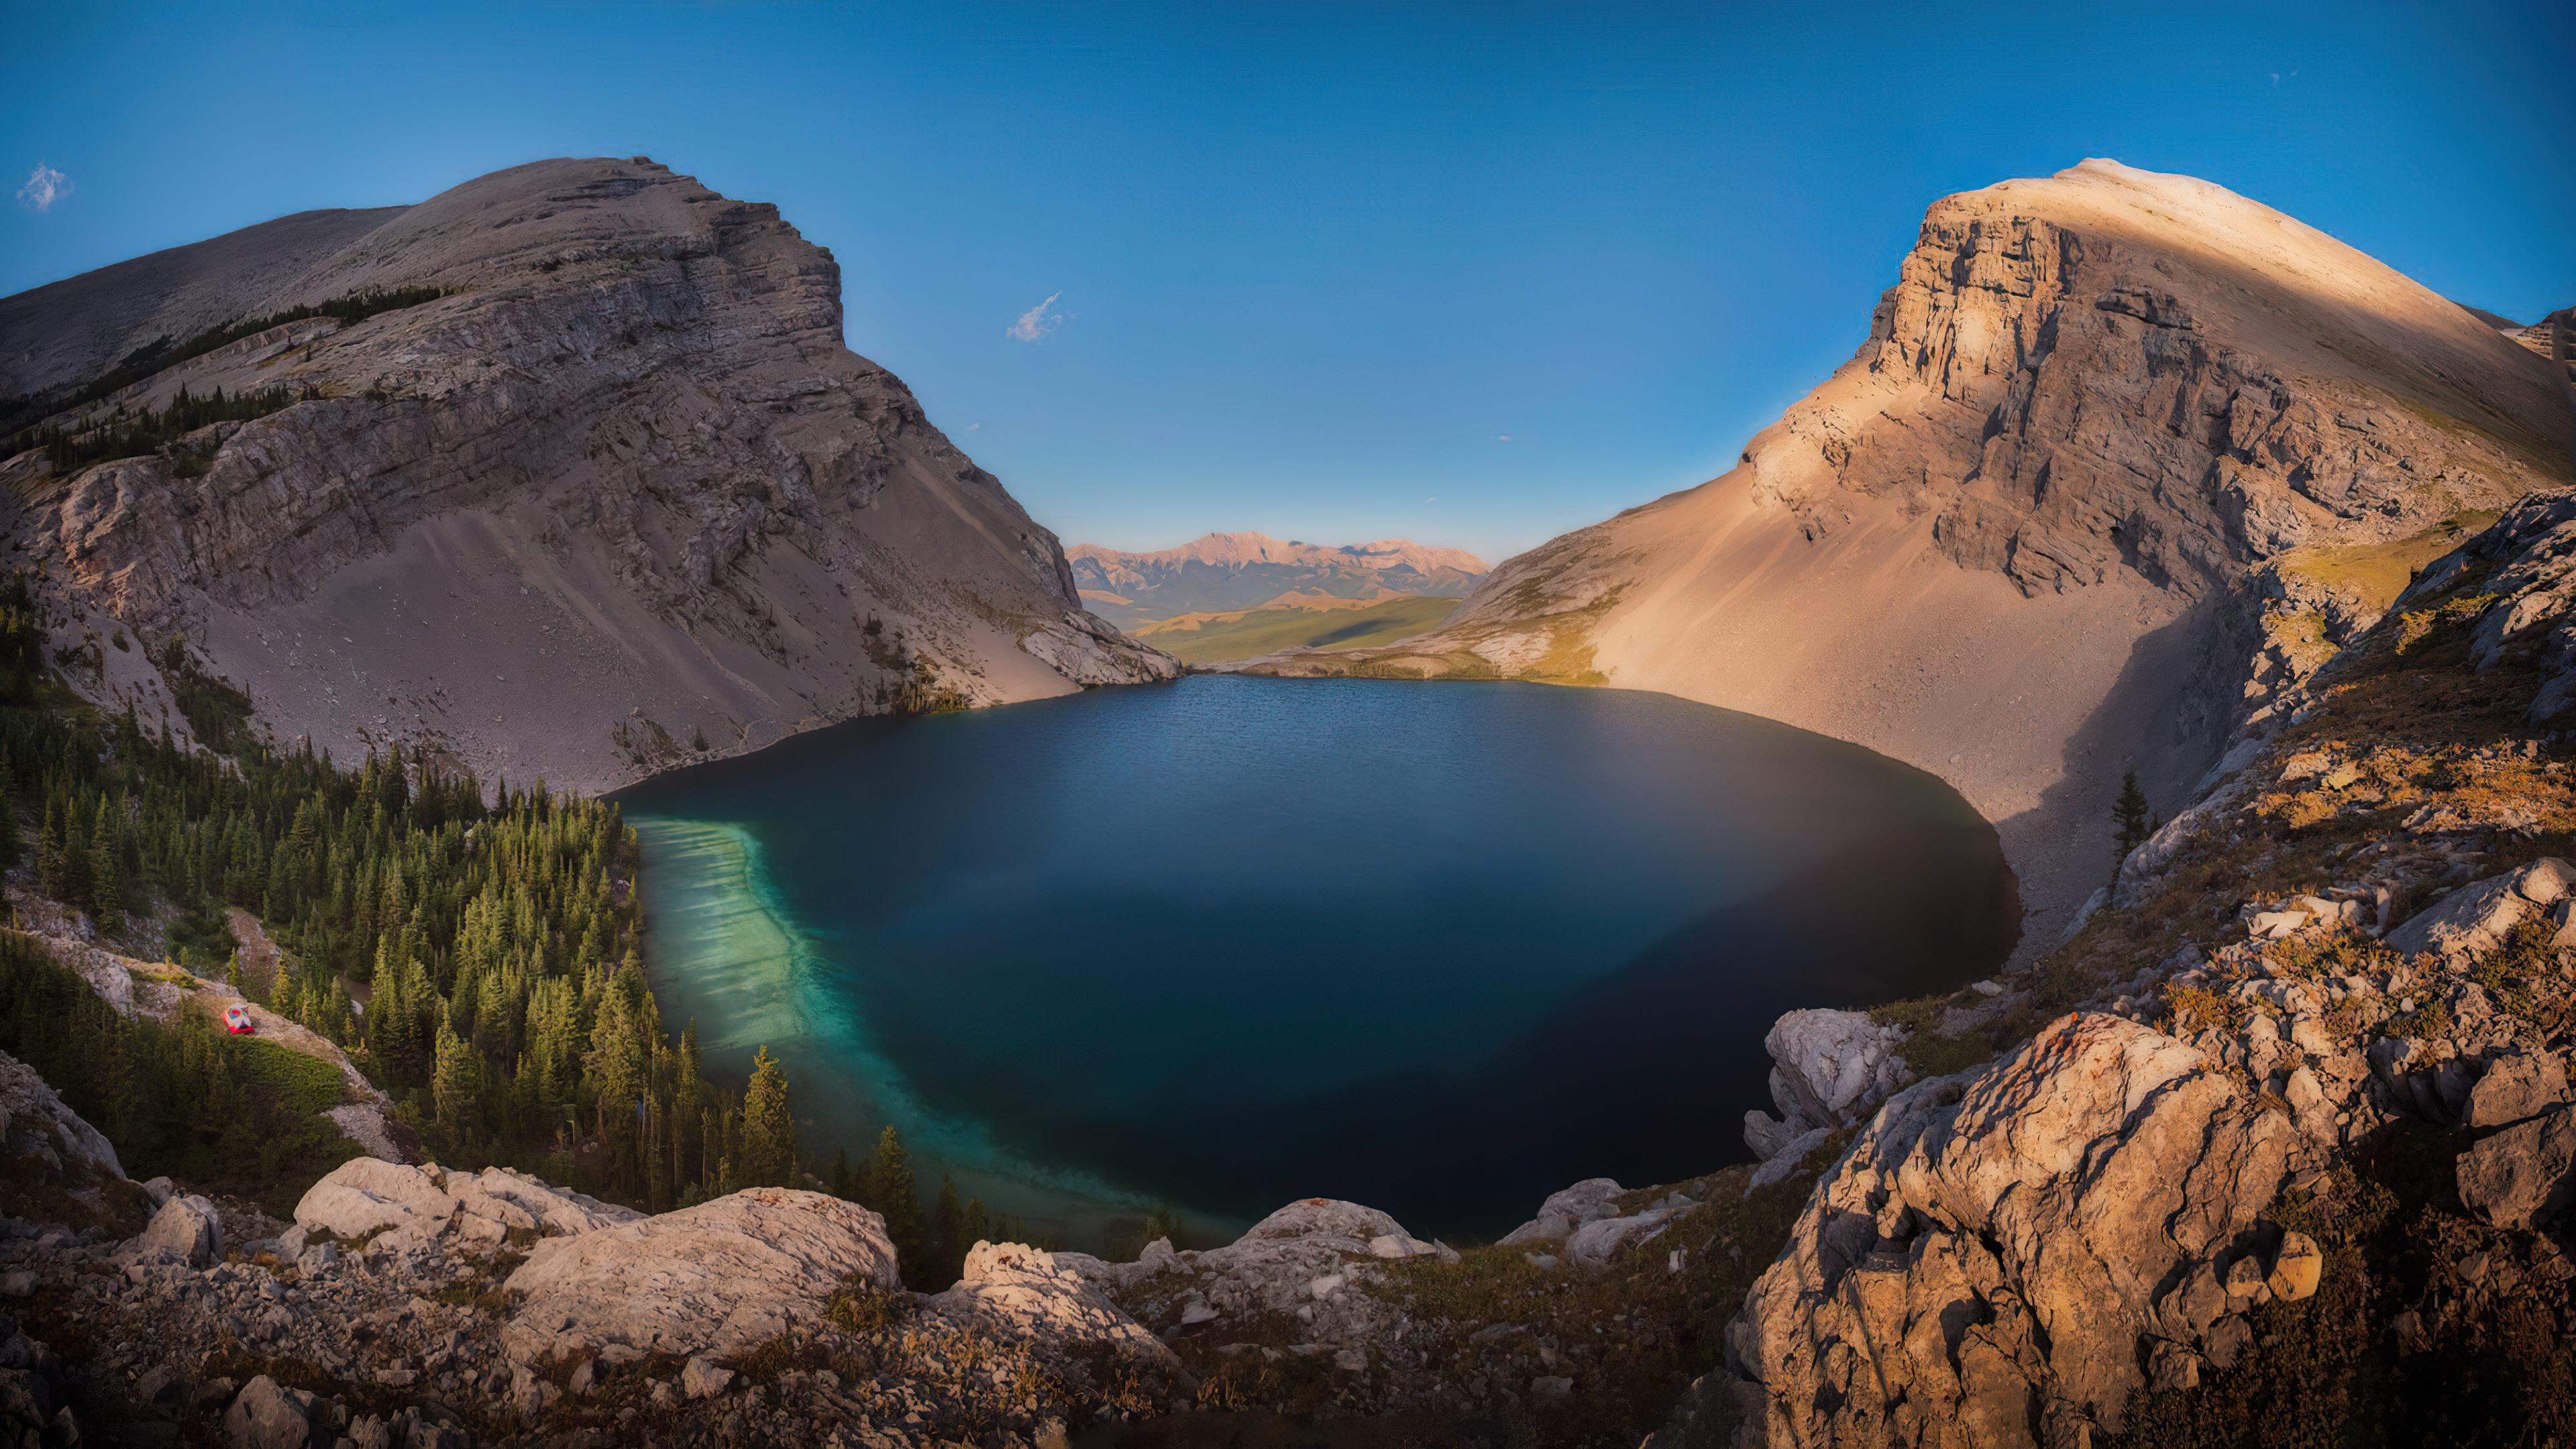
{"x":842,"y":1184}
{"x":897,"y":1198}
{"x":2133,"y":822}
{"x":458,"y":1085}
{"x":768,"y":1154}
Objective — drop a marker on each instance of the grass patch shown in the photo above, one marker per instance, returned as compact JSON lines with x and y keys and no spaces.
{"x":2376,"y":573}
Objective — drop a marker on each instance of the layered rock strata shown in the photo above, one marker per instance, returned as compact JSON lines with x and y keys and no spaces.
{"x":620,"y":499}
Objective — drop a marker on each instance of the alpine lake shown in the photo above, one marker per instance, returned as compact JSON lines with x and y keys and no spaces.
{"x":1221,"y":944}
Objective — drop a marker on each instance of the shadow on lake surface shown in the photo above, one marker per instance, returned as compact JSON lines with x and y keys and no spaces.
{"x":1227,"y":943}
{"x":1644,"y":1074}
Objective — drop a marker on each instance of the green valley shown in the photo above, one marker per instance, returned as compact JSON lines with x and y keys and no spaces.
{"x":1302,"y":624}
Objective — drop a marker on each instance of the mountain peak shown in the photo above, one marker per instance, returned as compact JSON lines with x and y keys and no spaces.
{"x":1218,"y":572}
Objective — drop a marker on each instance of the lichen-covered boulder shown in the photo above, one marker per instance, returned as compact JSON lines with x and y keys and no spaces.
{"x":363,"y":1196}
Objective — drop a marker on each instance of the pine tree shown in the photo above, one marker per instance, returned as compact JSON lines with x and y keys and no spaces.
{"x":768,"y":1153}
{"x":892,"y":1192}
{"x":458,"y":1084}
{"x":842,"y":1184}
{"x":2131,"y":817}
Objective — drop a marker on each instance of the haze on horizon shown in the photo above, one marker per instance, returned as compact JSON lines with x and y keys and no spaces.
{"x":1467,"y":276}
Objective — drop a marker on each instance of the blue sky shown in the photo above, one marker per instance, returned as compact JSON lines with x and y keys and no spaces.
{"x":1312,"y":265}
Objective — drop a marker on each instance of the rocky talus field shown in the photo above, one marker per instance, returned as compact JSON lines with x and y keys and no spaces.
{"x":614,"y":498}
{"x":2123,"y":457}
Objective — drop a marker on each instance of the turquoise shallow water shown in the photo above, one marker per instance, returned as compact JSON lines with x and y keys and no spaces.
{"x":1233,"y":941}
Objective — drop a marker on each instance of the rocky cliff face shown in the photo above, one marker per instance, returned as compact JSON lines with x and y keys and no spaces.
{"x":2123,"y":455}
{"x":620,"y":499}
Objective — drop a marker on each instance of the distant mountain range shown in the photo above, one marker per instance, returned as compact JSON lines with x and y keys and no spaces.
{"x":1224,"y":572}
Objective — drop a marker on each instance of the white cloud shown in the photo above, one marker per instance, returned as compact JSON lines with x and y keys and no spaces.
{"x":1430,"y":500}
{"x":970,"y":427}
{"x":45,"y":187}
{"x":1505,"y":438}
{"x":1035,"y":323}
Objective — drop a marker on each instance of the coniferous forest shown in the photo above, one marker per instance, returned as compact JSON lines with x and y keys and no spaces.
{"x":477,"y":960}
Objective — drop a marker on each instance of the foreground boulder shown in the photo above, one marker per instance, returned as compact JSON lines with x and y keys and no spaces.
{"x":1015,"y":1291}
{"x":712,"y":1280}
{"x":187,"y":1230}
{"x":2013,"y":1246}
{"x":1308,"y":1261}
{"x":1829,"y":1069}
{"x":409,"y":1207}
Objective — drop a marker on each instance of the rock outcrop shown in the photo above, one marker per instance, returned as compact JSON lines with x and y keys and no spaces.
{"x":53,"y":1164}
{"x":1011,"y":1290}
{"x":1828,"y":1068}
{"x":714,"y":1280}
{"x":619,"y":499}
{"x":2088,"y":495}
{"x":365,"y":1198}
{"x":1991,"y":1250}
{"x":2143,"y":1197}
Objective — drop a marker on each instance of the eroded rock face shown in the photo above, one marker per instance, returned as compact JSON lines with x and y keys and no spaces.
{"x":2476,"y":918}
{"x":711,"y":1280}
{"x":1567,"y":1209}
{"x":629,"y":459}
{"x":2010,"y":1246}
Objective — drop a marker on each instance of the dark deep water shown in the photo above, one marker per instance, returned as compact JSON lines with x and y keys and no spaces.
{"x":1441,"y":948}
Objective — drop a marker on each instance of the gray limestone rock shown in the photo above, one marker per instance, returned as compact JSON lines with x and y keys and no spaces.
{"x":1566,"y":1210}
{"x":2477,"y":917}
{"x":40,"y":1138}
{"x":1015,"y":1291}
{"x":700,"y":1379}
{"x":187,"y":1227}
{"x":363,"y":1196}
{"x":267,"y":1416}
{"x":2518,"y":1088}
{"x":711,"y":1280}
{"x":1832,"y":1066}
